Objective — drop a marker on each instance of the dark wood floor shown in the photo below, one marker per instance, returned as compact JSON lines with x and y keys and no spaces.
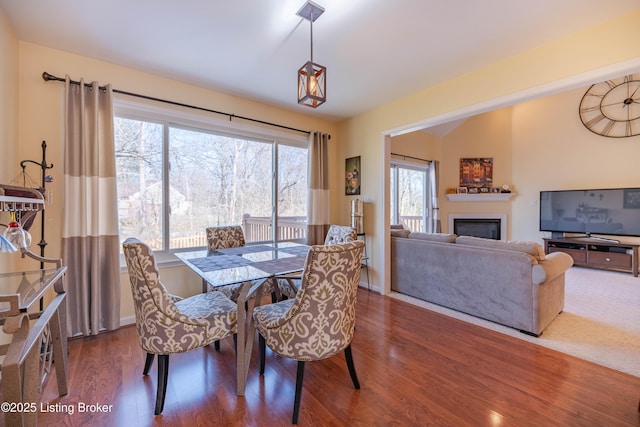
{"x":416,"y":367}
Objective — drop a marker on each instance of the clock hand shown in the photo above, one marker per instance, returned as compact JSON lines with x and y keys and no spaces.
{"x":613,"y":103}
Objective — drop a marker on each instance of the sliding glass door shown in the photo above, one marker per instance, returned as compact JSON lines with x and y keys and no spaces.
{"x":410,"y":195}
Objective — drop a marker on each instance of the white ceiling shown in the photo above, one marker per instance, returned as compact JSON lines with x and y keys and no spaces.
{"x":375,"y":51}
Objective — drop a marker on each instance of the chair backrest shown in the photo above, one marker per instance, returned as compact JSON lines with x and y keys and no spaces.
{"x":340,"y":234}
{"x":325,"y":306}
{"x":158,"y":320}
{"x":229,"y":236}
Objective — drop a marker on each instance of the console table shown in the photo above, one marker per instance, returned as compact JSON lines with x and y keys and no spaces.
{"x":597,"y":253}
{"x":38,"y":334}
{"x":32,"y":347}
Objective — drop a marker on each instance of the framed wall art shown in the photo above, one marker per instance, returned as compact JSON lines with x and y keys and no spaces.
{"x":476,"y":172}
{"x":352,"y":176}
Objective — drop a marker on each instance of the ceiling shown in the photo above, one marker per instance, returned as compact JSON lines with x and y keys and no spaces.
{"x":375,"y":51}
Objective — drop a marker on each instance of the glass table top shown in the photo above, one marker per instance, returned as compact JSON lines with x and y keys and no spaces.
{"x":27,"y":286}
{"x":246,"y":263}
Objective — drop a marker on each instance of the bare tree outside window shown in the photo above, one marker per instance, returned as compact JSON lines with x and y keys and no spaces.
{"x":214,"y":179}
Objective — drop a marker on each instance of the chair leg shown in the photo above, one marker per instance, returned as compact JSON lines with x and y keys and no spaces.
{"x":163,"y":373}
{"x":351,"y":366}
{"x":148,"y":363}
{"x":262,"y":350}
{"x":296,"y":402}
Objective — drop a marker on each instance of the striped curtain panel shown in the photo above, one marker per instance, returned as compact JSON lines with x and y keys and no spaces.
{"x":90,"y":229}
{"x":318,"y":206}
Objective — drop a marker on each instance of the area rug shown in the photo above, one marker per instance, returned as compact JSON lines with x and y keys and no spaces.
{"x":600,"y":322}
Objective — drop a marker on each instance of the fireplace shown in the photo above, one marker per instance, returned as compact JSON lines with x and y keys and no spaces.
{"x":489,"y":226}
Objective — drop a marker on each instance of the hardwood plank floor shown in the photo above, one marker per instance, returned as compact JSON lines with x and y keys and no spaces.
{"x":416,"y":367}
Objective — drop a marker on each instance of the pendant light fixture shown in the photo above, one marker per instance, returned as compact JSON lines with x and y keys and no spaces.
{"x":312,"y":77}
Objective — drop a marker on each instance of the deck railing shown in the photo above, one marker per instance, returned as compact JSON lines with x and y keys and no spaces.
{"x":413,"y":222}
{"x":256,"y":229}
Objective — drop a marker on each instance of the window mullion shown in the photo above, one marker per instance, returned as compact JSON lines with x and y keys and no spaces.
{"x":166,"y":202}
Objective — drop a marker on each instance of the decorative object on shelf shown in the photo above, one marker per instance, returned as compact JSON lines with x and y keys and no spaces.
{"x":476,"y":172}
{"x":505,"y":188}
{"x":352,"y":176}
{"x":6,"y":245}
{"x":19,"y":237}
{"x":480,"y":197}
{"x":312,"y":77}
{"x":612,"y":108}
{"x":462,"y":190}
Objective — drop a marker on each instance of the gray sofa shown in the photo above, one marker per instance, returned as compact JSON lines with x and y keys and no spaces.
{"x":511,"y":283}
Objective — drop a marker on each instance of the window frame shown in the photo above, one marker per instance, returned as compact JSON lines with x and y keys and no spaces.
{"x":201,"y":121}
{"x":419,"y":166}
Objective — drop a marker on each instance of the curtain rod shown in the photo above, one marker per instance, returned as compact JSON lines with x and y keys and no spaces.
{"x":411,"y":157}
{"x":50,"y":77}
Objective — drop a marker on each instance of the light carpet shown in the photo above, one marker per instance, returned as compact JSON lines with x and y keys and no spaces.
{"x":600,"y":322}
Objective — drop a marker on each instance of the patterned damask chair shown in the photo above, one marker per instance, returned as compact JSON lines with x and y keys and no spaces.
{"x":319,"y":322}
{"x":167,"y":324}
{"x":229,"y":236}
{"x":289,"y":285}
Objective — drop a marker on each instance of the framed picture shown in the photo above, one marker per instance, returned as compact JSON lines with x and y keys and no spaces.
{"x":495,"y":190}
{"x":484,"y":189}
{"x":352,"y":176}
{"x":462,"y":190}
{"x":476,"y":172}
{"x":473,"y":190}
{"x":632,"y":198}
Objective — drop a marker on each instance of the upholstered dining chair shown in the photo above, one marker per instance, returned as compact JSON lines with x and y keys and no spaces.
{"x":290,"y":284}
{"x":320,"y":321}
{"x":168,"y":325}
{"x":223,"y":237}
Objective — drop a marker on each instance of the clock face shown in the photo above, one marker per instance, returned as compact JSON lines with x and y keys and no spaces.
{"x":612,"y":108}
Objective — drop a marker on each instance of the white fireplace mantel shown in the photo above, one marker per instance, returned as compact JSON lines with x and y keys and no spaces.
{"x":480,"y":197}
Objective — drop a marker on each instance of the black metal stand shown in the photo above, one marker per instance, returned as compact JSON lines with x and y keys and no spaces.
{"x":365,"y":258}
{"x":43,"y":166}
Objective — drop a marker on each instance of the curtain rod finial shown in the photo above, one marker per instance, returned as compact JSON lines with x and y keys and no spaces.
{"x":46,"y":76}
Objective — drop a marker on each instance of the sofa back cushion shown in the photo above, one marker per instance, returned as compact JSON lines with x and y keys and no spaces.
{"x":400,"y":233}
{"x":532,"y":248}
{"x":433,"y":237}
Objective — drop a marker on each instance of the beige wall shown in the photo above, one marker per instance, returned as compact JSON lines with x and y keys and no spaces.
{"x":572,"y":60}
{"x":556,"y":152}
{"x":9,"y":167}
{"x":41,"y":118}
{"x":533,"y":151}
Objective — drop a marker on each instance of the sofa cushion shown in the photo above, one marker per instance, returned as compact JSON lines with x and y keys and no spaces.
{"x":532,"y":248}
{"x":434,"y":237}
{"x":400,"y":233}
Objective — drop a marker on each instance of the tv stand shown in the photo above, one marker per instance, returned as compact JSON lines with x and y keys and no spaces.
{"x":595,"y":252}
{"x":601,"y":239}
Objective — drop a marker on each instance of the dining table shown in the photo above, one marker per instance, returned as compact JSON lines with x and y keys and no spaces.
{"x":252,"y":266}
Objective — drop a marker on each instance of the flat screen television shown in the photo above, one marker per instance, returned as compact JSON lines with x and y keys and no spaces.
{"x":614,"y":211}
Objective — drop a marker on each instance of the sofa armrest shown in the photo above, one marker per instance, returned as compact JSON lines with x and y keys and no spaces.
{"x":554,"y":264}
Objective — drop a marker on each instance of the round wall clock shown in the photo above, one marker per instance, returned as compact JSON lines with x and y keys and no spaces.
{"x":612,"y":108}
